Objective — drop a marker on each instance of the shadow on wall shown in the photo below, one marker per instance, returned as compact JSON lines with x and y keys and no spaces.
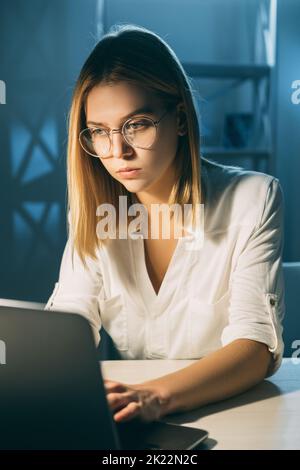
{"x":291,"y":323}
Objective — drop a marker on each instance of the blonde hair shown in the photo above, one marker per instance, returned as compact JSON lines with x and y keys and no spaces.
{"x":137,"y":55}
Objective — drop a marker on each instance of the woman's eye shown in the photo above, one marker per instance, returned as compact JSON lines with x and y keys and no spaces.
{"x":97,"y":131}
{"x":137,"y":124}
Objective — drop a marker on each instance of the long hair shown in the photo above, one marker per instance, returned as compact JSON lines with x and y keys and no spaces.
{"x":137,"y":55}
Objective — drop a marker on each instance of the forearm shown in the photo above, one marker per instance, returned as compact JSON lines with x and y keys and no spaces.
{"x":220,"y":375}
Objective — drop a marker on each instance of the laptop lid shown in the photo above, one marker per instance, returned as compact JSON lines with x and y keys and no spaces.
{"x":52,"y":394}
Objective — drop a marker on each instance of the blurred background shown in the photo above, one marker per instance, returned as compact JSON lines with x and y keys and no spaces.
{"x":242,"y":57}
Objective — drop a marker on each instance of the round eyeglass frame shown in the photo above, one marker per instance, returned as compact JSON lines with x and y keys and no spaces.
{"x":121,"y":129}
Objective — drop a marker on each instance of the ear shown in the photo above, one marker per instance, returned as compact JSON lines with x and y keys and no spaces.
{"x":181,"y":119}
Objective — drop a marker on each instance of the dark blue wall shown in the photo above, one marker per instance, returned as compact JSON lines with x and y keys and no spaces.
{"x":288,"y":122}
{"x":42,"y":47}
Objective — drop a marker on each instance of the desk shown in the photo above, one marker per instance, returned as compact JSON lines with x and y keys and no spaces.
{"x":265,"y":417}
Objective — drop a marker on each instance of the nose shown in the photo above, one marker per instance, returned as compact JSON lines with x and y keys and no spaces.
{"x":119,"y":146}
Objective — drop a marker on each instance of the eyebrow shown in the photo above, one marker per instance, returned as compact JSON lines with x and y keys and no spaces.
{"x":143,"y":110}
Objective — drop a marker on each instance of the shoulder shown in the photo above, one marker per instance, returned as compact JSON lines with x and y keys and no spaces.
{"x":229,"y":178}
{"x":233,"y":195}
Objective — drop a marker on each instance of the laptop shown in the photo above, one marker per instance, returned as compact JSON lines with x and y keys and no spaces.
{"x":52,"y":394}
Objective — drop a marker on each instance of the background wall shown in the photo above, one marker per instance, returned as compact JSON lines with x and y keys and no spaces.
{"x":288,"y":122}
{"x":42,"y":47}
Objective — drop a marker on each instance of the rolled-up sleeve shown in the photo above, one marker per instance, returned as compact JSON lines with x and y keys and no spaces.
{"x":257,"y":304}
{"x":78,"y":288}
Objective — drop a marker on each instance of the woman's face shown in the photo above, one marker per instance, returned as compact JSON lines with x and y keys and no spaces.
{"x":111,"y":106}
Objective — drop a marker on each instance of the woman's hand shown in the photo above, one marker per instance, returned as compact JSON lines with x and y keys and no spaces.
{"x":131,"y":401}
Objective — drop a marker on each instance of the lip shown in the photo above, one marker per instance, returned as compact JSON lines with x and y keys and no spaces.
{"x":128,"y":172}
{"x":126,"y":169}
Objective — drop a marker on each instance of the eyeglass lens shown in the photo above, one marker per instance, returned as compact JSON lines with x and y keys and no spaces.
{"x":139,"y":132}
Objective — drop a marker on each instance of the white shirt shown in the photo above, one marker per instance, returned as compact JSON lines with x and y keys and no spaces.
{"x":231,"y":288}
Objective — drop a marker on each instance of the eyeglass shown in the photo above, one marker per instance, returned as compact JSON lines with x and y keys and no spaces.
{"x":140,"y":132}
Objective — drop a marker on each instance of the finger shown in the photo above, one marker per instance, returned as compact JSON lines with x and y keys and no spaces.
{"x":131,"y":411}
{"x":111,"y":382}
{"x":115,"y":400}
{"x":115,"y":387}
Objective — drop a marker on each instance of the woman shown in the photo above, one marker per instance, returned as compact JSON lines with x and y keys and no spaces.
{"x":222,"y":301}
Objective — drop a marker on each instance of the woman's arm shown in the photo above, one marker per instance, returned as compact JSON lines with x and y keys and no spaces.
{"x":78,"y":288}
{"x":226,"y":372}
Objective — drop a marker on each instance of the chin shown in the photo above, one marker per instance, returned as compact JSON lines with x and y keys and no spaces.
{"x":135,"y":186}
